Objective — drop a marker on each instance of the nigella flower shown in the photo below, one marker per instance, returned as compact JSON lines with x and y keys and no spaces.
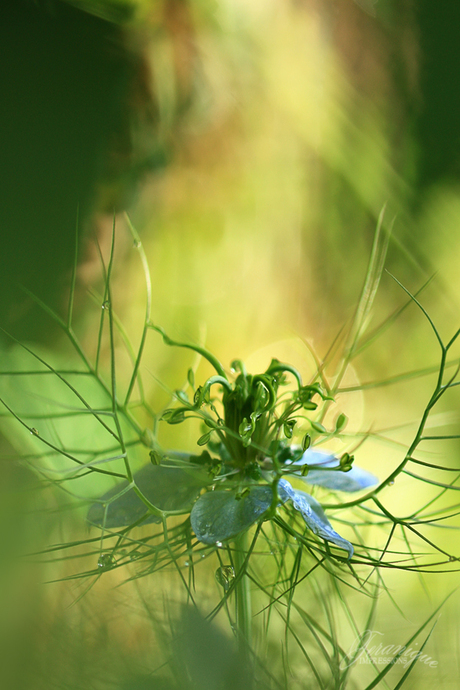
{"x":221,"y":514}
{"x":242,"y":476}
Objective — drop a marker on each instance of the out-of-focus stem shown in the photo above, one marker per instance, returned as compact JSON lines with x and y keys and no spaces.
{"x":243,"y":596}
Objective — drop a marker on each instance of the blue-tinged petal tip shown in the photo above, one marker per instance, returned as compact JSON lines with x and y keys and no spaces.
{"x":315,"y":517}
{"x":355,"y":479}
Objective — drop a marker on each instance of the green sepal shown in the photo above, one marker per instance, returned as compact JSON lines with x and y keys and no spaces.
{"x":203,"y":440}
{"x":168,"y":488}
{"x":182,"y":396}
{"x":220,"y":515}
{"x":306,"y":442}
{"x":288,"y":428}
{"x":174,"y":415}
{"x":319,"y":428}
{"x":341,"y":422}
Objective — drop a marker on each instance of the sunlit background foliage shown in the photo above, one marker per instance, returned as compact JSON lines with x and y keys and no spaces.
{"x":254,"y":145}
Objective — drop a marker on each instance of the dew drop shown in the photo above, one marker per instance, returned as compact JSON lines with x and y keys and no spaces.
{"x":34,"y":432}
{"x":106,"y":304}
{"x":203,"y":555}
{"x":225,"y":576}
{"x":137,"y":244}
{"x":219,"y":544}
{"x":187,"y":563}
{"x":391,"y":483}
{"x":106,"y":561}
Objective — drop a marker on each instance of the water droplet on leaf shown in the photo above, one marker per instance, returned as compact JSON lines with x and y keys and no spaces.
{"x":219,"y":544}
{"x":106,"y":561}
{"x":34,"y":432}
{"x":225,"y":576}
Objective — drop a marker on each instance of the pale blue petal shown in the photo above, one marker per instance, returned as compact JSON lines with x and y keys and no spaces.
{"x":355,"y":479}
{"x":317,"y":457}
{"x":315,"y":517}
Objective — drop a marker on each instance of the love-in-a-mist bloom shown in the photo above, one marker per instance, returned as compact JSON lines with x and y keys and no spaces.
{"x":243,"y":474}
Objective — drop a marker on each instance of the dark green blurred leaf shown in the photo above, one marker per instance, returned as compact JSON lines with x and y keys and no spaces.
{"x":118,"y":11}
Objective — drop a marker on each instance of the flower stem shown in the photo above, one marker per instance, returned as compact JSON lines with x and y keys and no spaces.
{"x":243,"y":595}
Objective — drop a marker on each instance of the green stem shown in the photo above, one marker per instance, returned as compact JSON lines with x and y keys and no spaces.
{"x":243,"y":595}
{"x":196,"y":348}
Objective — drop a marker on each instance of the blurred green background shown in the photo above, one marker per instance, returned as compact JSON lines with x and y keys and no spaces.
{"x":254,"y":144}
